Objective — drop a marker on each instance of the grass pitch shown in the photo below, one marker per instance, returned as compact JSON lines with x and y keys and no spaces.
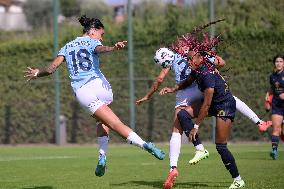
{"x":72,"y":167}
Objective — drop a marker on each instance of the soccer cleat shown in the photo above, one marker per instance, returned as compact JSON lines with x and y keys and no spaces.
{"x":152,"y":149}
{"x":101,"y":166}
{"x":199,"y":155}
{"x":237,"y":184}
{"x":264,"y":125}
{"x":171,"y":179}
{"x":273,"y":154}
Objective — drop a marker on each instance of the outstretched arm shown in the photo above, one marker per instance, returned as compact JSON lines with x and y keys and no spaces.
{"x":33,"y":73}
{"x":155,"y":85}
{"x":179,"y":86}
{"x":117,"y":46}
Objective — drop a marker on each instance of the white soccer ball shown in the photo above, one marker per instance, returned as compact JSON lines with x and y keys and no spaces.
{"x":164,"y":57}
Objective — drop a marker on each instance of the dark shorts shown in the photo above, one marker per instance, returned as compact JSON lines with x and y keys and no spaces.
{"x":278,"y":107}
{"x":225,"y":110}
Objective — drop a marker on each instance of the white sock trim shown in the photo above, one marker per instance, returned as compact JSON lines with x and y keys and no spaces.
{"x":134,"y":139}
{"x":238,"y":178}
{"x":200,"y":147}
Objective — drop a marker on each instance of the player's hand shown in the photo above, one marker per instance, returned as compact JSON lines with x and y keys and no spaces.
{"x":140,"y":101}
{"x":120,"y":45}
{"x":31,"y":73}
{"x":192,"y":134}
{"x":166,"y":90}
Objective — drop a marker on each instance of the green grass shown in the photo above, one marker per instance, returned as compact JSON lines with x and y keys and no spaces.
{"x":72,"y":167}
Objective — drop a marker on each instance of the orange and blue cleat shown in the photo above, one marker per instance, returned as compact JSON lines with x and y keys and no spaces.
{"x":264,"y":125}
{"x":171,"y":179}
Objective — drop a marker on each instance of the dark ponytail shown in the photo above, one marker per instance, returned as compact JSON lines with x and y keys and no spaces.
{"x":89,"y":23}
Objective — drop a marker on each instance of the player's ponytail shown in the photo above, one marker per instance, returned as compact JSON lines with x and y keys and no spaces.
{"x":200,"y":28}
{"x":84,"y":21}
{"x":89,"y":23}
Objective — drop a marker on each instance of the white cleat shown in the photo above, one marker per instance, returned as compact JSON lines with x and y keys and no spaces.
{"x":199,"y":155}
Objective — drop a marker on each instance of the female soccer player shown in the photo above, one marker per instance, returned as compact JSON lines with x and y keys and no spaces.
{"x":91,"y":88}
{"x":277,"y":89}
{"x":219,"y":102}
{"x":268,"y":105}
{"x":188,"y":99}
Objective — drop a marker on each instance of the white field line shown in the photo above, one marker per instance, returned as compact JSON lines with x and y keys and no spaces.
{"x":35,"y":158}
{"x":148,"y":164}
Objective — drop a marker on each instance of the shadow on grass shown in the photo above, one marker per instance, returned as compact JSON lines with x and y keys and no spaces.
{"x":38,"y":187}
{"x":159,"y":184}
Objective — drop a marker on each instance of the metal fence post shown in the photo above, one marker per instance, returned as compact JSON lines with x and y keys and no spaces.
{"x":130,"y":67}
{"x":212,"y":33}
{"x":57,"y":77}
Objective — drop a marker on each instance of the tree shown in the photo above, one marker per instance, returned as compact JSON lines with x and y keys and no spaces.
{"x":70,"y":8}
{"x":38,"y":13}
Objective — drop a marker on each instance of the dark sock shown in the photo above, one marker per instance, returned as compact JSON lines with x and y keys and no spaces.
{"x":274,"y":141}
{"x":187,"y":125}
{"x":228,"y":159}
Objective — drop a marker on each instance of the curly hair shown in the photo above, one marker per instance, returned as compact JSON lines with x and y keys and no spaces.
{"x":192,"y":42}
{"x":198,"y":41}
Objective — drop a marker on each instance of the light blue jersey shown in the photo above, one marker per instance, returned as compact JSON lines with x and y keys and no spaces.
{"x":82,"y":60}
{"x":181,"y":68}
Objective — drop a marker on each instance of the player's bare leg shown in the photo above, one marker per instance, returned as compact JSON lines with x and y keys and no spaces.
{"x":106,"y":115}
{"x":276,"y":131}
{"x":282,"y":132}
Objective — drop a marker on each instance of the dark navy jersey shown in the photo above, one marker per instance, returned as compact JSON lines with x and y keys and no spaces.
{"x":209,"y":79}
{"x":277,"y":84}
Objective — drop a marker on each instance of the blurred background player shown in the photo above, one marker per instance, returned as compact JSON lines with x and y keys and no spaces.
{"x":267,"y":106}
{"x":276,"y":96}
{"x":219,"y":102}
{"x":91,"y":88}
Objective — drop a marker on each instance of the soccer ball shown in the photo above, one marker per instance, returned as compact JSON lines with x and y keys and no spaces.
{"x":164,"y":57}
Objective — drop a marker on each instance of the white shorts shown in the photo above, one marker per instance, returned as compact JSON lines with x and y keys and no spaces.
{"x":94,"y":94}
{"x":187,"y":96}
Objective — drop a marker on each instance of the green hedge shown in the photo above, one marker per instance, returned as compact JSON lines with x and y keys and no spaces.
{"x":27,"y":109}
